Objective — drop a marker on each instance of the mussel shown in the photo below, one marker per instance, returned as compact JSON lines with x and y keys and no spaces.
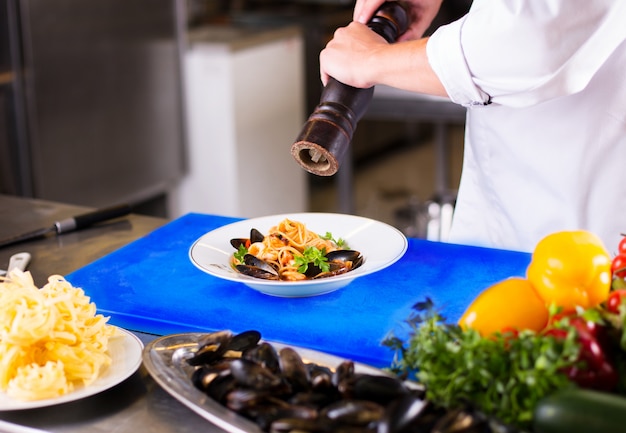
{"x":380,"y":389}
{"x":211,"y":348}
{"x":255,"y":267}
{"x":264,"y":354}
{"x":216,"y":346}
{"x":353,"y":412}
{"x":281,"y":392}
{"x":401,"y":414}
{"x":293,"y":369}
{"x":249,"y":374}
{"x":255,"y":236}
{"x":216,"y":384}
{"x":245,"y":340}
{"x":461,"y":420}
{"x":339,"y":262}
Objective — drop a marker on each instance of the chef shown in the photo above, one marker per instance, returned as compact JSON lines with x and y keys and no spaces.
{"x":545,"y":87}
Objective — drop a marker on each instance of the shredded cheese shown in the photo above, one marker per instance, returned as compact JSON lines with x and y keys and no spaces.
{"x":51,"y":339}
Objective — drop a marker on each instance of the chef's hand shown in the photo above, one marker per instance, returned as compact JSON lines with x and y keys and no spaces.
{"x":361,"y":58}
{"x":350,"y":57}
{"x":421,"y":15}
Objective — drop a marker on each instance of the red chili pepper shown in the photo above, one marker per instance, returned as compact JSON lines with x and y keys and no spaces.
{"x":594,"y":370}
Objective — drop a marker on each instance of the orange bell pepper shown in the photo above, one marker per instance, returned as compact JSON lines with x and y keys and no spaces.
{"x":508,"y":305}
{"x":571,"y":269}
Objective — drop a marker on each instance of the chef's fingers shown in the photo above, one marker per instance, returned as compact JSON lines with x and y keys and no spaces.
{"x":364,"y":10}
{"x":421,"y":12}
{"x":324,"y":77}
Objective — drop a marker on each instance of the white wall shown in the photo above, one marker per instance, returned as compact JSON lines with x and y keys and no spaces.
{"x":245,"y":106}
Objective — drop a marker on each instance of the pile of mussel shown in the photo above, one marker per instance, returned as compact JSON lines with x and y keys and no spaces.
{"x":339,"y":261}
{"x":281,"y":392}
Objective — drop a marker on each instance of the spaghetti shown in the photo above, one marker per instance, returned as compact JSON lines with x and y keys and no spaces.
{"x":284,"y":247}
{"x":51,"y":339}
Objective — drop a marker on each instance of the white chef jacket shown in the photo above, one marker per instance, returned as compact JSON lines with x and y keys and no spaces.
{"x":545,"y":144}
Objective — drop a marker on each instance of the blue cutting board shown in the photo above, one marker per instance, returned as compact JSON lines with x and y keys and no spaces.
{"x":151,"y":286}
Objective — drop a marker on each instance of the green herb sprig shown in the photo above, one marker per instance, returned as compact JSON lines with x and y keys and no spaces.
{"x":312,"y":255}
{"x":241,"y":251}
{"x":341,"y":243}
{"x":504,"y":375}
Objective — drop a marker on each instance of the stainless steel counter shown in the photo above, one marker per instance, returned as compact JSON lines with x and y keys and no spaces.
{"x":136,"y":405}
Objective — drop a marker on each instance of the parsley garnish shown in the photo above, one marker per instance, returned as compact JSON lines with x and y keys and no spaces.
{"x":241,"y":251}
{"x":504,"y":375}
{"x":341,"y":243}
{"x":312,"y":255}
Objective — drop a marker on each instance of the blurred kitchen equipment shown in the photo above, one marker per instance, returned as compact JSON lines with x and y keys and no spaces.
{"x":91,"y":99}
{"x":430,"y":219}
{"x":17,"y":261}
{"x":237,"y":128}
{"x":326,"y":136}
{"x":70,"y":224}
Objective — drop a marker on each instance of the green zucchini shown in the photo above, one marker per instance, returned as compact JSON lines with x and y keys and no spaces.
{"x":580,"y":411}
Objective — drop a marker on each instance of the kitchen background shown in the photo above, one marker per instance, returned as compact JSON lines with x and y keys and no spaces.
{"x":192,"y":106}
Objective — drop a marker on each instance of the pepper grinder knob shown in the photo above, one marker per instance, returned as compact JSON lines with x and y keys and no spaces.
{"x":325,"y":137}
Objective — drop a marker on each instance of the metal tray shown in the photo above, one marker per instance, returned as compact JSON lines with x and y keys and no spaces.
{"x":164,"y":358}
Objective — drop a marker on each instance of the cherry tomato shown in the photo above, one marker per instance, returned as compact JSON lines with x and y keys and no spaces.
{"x":618,"y":266}
{"x":615,"y":300}
{"x":621,"y":248}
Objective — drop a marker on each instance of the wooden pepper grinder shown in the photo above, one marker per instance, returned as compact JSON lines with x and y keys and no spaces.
{"x":325,"y":137}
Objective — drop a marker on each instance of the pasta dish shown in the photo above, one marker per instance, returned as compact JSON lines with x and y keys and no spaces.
{"x":292,"y":252}
{"x":51,"y":339}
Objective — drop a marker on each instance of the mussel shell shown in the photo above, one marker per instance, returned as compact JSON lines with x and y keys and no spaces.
{"x":255,"y":236}
{"x":354,"y":412}
{"x":244,"y":399}
{"x":237,"y":242}
{"x":317,"y":399}
{"x":220,"y":387}
{"x":211,"y":348}
{"x":339,"y":262}
{"x":265,"y":416}
{"x":244,"y":340}
{"x":252,"y":375}
{"x":252,"y":260}
{"x":321,"y":377}
{"x":381,"y":389}
{"x":346,"y":256}
{"x":401,"y":413}
{"x":202,"y":377}
{"x":293,"y":369}
{"x":264,"y":354}
{"x":461,"y":420}
{"x":255,"y":267}
{"x":253,"y":271}
{"x":343,"y":372}
{"x":287,"y":425}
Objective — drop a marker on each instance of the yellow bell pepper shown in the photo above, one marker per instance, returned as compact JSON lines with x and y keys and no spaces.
{"x":571,"y":269}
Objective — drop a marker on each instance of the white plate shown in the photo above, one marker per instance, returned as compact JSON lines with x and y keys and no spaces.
{"x":164,"y":358}
{"x":125,"y":350}
{"x":380,"y":244}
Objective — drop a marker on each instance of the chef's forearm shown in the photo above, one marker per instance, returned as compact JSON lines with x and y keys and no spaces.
{"x":405,"y":66}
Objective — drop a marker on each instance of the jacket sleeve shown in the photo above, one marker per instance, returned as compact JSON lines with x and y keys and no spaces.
{"x":519,"y":52}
